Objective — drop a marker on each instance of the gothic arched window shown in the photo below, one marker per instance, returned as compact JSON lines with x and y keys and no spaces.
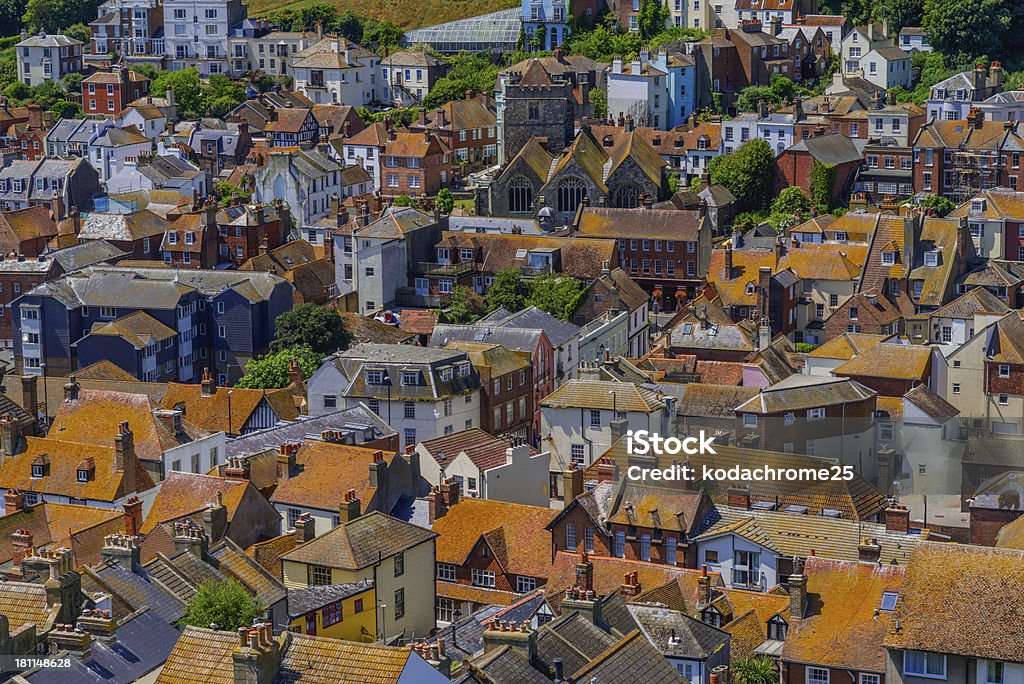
{"x":569,"y":194}
{"x":520,"y":195}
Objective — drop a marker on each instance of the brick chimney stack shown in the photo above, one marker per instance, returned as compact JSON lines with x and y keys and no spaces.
{"x":305,"y":528}
{"x":10,"y":436}
{"x":350,"y":507}
{"x":797,"y":597}
{"x":133,"y":516}
{"x":209,"y":387}
{"x":125,"y":460}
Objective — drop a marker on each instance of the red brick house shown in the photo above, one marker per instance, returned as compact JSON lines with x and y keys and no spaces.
{"x":244,"y":230}
{"x":414,"y":164}
{"x":467,"y":127}
{"x":191,"y":238}
{"x":868,"y":312}
{"x":31,"y":135}
{"x":642,"y":521}
{"x":793,"y":167}
{"x":489,"y":551}
{"x":107,"y":93}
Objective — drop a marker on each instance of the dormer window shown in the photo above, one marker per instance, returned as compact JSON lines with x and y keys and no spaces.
{"x":710,"y":616}
{"x":888,"y":258}
{"x":931,"y":258}
{"x":465,"y":255}
{"x":977,"y":205}
{"x":410,"y":378}
{"x":446,"y":374}
{"x":750,"y":289}
{"x":777,"y":629}
{"x":374,"y":377}
{"x":463,"y":370}
{"x":40,"y":467}
{"x":85,"y":470}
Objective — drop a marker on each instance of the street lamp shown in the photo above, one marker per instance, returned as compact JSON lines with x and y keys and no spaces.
{"x":383,"y":623}
{"x":229,"y":412}
{"x":457,"y":615}
{"x":615,"y":410}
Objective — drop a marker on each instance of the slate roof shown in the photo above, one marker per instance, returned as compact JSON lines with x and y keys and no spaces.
{"x":713,"y":401}
{"x":630,"y":660}
{"x":306,"y":599}
{"x":574,"y":639}
{"x":233,"y":561}
{"x":359,"y":543}
{"x":503,"y":665}
{"x":532,"y":318}
{"x":366,"y":425}
{"x":958,"y":599}
{"x":139,"y":646}
{"x":829,"y":149}
{"x":677,"y":635}
{"x":137,"y":589}
{"x":392,"y":359}
{"x":932,"y":404}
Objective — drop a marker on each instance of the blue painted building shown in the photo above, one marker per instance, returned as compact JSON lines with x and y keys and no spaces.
{"x":156,"y":324}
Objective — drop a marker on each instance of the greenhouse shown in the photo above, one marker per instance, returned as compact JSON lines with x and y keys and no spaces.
{"x":496,"y":32}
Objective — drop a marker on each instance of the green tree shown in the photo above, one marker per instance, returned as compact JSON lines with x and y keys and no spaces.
{"x":226,"y":604}
{"x":464,"y":307}
{"x":603,"y":44}
{"x":402,"y":201}
{"x":18,"y":91}
{"x":47,"y":93}
{"x":790,"y":201}
{"x":466,"y":72}
{"x":748,"y":173}
{"x":188,"y":89}
{"x":72,"y":83}
{"x":384,"y":34}
{"x":220,"y":95}
{"x":225,"y":191}
{"x":62,"y":109}
{"x":748,"y":98}
{"x":941,"y":205}
{"x":445,"y":201}
{"x":313,"y":325}
{"x":963,"y":29}
{"x":556,"y":294}
{"x":755,"y":670}
{"x":900,"y":13}
{"x":79,"y":32}
{"x":147,"y":70}
{"x":349,"y":25}
{"x":219,"y":107}
{"x":599,"y":100}
{"x":54,"y":15}
{"x":653,"y":17}
{"x":11,"y":12}
{"x":322,"y":14}
{"x":509,"y":290}
{"x":823,"y":184}
{"x":270,"y":371}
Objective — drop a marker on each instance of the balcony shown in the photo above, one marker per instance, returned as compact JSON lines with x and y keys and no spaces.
{"x":430,"y":268}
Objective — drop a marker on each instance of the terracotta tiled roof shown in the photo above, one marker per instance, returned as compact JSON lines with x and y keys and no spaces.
{"x":325,"y":472}
{"x":1000,"y":203}
{"x":746,"y":633}
{"x":95,"y":415}
{"x":485,"y":450}
{"x":211,"y":413}
{"x":466,"y":592}
{"x":288,"y":120}
{"x":941,"y":236}
{"x":961,"y":600}
{"x":713,"y":401}
{"x":660,"y":507}
{"x":202,"y":655}
{"x":720,"y":372}
{"x":63,"y":459}
{"x":417,"y":321}
{"x":318,"y":660}
{"x":608,"y":573}
{"x":844,"y":626}
{"x":359,"y":543}
{"x":734,"y":288}
{"x":268,"y":553}
{"x":52,"y":524}
{"x":184,"y":493}
{"x":580,"y":258}
{"x":515,"y":533}
{"x":846,"y":346}
{"x":889,"y":360}
{"x":668,"y":224}
{"x":104,"y":369}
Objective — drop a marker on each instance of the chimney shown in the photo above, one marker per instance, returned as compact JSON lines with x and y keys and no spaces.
{"x":897,"y":518}
{"x":30,"y":395}
{"x":215,"y":519}
{"x":237,"y":468}
{"x":189,"y":537}
{"x":66,"y":637}
{"x":379,"y":474}
{"x":797,"y":597}
{"x":980,"y":78}
{"x":14,"y":500}
{"x":209,"y":387}
{"x":703,"y":588}
{"x":124,"y":459}
{"x":630,"y":584}
{"x":869,"y":551}
{"x":21,"y":546}
{"x":349,"y":509}
{"x":286,"y":460}
{"x":572,"y":484}
{"x":517,"y":637}
{"x":71,"y":388}
{"x":762,"y":109}
{"x":122,"y":548}
{"x":305,"y":528}
{"x":132,"y":516}
{"x":581,"y":597}
{"x":99,"y":623}
{"x":295,"y":380}
{"x":170,"y":97}
{"x":995,"y":77}
{"x":618,"y":427}
{"x":727,"y":275}
{"x":76,"y":220}
{"x":57,"y":206}
{"x":739,"y":497}
{"x":776,"y":26}
{"x":257,"y":656}
{"x":35,"y":116}
{"x":10,"y":429}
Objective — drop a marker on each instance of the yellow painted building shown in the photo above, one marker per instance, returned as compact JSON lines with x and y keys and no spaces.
{"x":337,"y":611}
{"x":396,"y":556}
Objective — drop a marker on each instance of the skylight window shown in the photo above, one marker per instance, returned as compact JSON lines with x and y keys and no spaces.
{"x":889,"y":601}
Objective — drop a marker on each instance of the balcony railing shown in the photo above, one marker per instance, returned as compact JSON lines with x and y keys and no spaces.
{"x":431,"y":268}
